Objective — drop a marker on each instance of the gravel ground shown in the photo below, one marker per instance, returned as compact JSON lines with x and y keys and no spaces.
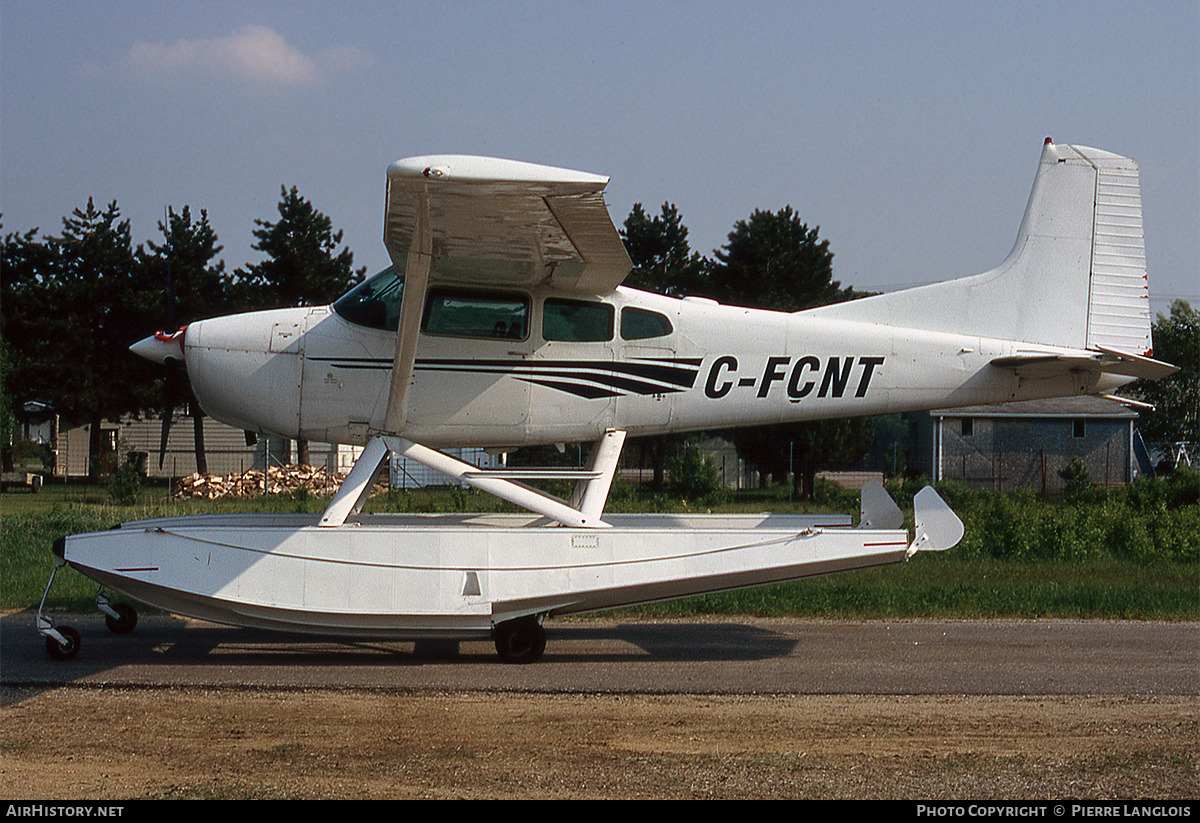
{"x":119,"y":743}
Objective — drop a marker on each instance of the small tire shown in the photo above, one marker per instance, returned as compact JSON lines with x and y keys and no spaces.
{"x":125,"y":620}
{"x":63,"y":651}
{"x":520,"y":641}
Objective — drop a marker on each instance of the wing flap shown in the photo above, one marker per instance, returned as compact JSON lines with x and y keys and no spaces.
{"x":584,"y":218}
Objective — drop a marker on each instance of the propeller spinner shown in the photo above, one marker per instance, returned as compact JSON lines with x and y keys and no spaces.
{"x":160,"y":347}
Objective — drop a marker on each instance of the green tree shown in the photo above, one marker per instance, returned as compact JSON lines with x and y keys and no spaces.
{"x":73,"y":305}
{"x":1176,"y":399}
{"x":658,"y":247}
{"x":773,"y":260}
{"x":22,"y":305}
{"x":303,"y":265}
{"x":802,"y":449}
{"x":7,"y":419}
{"x":191,"y":285}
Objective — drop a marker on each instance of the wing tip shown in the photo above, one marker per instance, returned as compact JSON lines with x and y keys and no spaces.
{"x":465,"y":168}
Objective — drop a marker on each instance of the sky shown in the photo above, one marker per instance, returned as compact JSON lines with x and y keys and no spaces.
{"x":908,"y":133}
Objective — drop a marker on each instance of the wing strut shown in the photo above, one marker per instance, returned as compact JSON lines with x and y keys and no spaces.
{"x":416,"y":279}
{"x":584,"y":511}
{"x":356,"y":488}
{"x":591,"y":495}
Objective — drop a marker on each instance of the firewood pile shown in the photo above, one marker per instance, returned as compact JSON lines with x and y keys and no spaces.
{"x":276,"y":480}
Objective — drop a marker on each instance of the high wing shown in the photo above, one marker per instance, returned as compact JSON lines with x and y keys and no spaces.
{"x":486,"y":221}
{"x":503,"y":222}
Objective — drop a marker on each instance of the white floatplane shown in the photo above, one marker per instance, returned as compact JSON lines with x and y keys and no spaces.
{"x":502,"y":323}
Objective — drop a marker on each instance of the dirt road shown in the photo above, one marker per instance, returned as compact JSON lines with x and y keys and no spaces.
{"x":92,"y":743}
{"x":187,"y":715}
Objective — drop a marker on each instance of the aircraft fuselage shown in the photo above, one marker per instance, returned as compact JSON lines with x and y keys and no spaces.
{"x":574,"y":368}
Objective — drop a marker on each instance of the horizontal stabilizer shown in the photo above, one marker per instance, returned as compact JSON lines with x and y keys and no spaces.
{"x":1038,"y":365}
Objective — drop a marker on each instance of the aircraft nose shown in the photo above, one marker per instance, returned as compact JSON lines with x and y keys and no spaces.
{"x":244,"y":373}
{"x":160,"y":347}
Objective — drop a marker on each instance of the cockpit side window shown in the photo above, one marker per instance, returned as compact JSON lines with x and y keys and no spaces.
{"x":374,"y":303}
{"x":641,"y":324}
{"x":578,"y":321}
{"x":464,"y":313}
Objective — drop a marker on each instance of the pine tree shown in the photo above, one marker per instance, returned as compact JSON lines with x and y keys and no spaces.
{"x":73,"y":305}
{"x":303,"y":265}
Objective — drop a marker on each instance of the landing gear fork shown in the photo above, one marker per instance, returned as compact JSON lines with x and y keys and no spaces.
{"x":62,"y":642}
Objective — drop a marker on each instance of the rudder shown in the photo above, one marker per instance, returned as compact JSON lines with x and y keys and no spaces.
{"x":1119,"y":300}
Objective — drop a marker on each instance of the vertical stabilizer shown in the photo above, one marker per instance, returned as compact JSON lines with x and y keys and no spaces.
{"x":1076,"y":276}
{"x":1119,"y":301}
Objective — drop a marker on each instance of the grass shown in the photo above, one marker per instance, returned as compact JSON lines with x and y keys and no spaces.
{"x":1079,"y":581}
{"x":942,"y":586}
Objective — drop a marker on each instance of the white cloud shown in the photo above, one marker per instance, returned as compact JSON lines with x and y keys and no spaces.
{"x":255,"y":54}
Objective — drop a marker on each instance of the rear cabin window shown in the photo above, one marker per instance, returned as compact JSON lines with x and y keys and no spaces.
{"x":578,"y":321}
{"x":640,"y":324}
{"x":455,"y":313}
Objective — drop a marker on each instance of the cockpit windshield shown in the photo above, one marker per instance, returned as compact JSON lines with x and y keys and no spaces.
{"x":374,"y":303}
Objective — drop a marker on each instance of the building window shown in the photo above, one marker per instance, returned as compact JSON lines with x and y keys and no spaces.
{"x":1079,"y":429}
{"x":968,"y":426}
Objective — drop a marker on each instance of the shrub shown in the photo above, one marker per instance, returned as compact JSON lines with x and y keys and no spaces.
{"x":693,"y":477}
{"x":126,"y":482}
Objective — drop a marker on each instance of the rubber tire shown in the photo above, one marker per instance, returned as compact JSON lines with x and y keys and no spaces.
{"x":57,"y":650}
{"x":125,"y":622}
{"x":520,"y":641}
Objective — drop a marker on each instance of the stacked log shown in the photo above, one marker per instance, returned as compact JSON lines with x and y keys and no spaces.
{"x":276,"y":480}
